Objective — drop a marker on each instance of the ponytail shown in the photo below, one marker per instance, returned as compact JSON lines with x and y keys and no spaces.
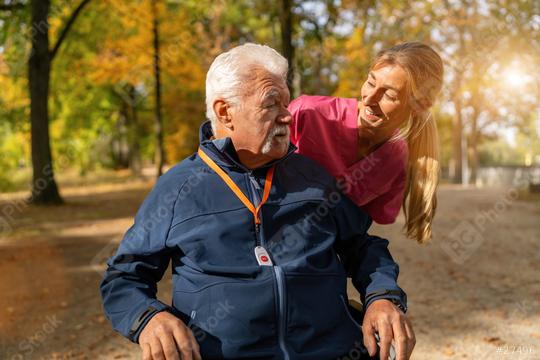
{"x":423,"y":171}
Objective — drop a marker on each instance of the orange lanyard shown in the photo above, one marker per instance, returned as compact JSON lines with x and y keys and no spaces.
{"x":235,"y":189}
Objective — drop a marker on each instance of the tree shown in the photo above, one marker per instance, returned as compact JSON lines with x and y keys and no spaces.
{"x":160,"y":150}
{"x":287,"y":47}
{"x":44,"y":188}
{"x":128,"y":59}
{"x":484,"y":41}
{"x":135,"y":70}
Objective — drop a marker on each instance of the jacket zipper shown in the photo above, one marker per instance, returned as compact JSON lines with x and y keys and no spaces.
{"x":253,"y":186}
{"x":282,"y":308}
{"x":278,"y":273}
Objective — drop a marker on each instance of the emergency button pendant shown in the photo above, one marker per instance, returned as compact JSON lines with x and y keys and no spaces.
{"x":262,"y":256}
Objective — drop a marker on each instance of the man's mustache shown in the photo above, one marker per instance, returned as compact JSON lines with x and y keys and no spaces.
{"x":278,"y":130}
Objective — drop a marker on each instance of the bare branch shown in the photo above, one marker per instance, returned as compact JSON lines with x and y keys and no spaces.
{"x":67,"y":27}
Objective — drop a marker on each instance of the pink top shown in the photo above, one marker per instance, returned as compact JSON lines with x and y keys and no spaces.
{"x":325,"y":129}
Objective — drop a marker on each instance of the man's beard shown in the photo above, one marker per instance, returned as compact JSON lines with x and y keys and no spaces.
{"x":276,"y":130}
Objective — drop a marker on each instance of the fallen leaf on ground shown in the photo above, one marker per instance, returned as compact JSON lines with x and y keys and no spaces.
{"x":494,"y":340}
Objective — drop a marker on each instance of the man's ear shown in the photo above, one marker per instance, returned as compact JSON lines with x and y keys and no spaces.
{"x":222,"y":110}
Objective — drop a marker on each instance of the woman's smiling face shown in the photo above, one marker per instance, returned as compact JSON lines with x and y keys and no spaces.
{"x":385,"y":105}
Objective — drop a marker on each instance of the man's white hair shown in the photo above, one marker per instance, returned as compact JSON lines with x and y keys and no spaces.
{"x":229,"y":71}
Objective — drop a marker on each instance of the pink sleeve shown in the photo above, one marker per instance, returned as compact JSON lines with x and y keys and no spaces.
{"x":384,"y":209}
{"x":376,"y":183}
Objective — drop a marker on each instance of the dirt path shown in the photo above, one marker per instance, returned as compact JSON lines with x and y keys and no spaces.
{"x":476,"y":297}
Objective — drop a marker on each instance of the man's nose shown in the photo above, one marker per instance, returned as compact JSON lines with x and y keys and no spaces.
{"x":286,"y":117}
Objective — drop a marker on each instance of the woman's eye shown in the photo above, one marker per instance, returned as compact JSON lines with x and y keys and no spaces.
{"x":370,"y":84}
{"x":391,"y":98}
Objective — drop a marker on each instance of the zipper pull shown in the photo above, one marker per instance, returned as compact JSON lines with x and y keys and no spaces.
{"x":254,"y":182}
{"x":262,"y":256}
{"x":191,"y":318}
{"x":257,"y":227}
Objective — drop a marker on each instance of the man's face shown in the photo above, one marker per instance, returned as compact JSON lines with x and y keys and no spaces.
{"x":261,"y":120}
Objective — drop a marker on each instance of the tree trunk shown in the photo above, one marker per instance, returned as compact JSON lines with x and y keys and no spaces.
{"x":44,"y":188}
{"x":134,"y":134}
{"x":473,"y":146}
{"x":457,"y":133}
{"x":457,"y":97}
{"x":160,"y":151}
{"x":120,"y":144}
{"x":286,"y":41}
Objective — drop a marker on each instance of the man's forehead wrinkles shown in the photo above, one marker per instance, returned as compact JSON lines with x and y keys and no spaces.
{"x":267,"y":85}
{"x":272,"y":92}
{"x":268,"y":82}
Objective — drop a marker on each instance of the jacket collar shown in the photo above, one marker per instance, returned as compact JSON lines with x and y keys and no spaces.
{"x":222,"y":150}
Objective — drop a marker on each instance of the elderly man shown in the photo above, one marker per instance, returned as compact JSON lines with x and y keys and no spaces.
{"x":261,"y":242}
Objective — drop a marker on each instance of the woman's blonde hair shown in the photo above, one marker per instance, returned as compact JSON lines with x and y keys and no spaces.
{"x":424,"y":68}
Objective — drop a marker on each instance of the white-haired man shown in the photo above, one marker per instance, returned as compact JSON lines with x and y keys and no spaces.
{"x":260,"y":238}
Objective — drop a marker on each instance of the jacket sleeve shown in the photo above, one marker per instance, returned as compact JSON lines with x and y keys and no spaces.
{"x":366,"y":258}
{"x":129,"y":285}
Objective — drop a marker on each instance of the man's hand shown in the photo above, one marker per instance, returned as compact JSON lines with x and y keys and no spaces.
{"x":385,"y":318}
{"x":166,"y":337}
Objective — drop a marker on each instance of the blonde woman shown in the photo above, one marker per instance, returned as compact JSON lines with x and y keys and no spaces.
{"x":385,"y":144}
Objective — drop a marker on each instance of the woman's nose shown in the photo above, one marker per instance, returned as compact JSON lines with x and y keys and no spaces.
{"x":371,"y":98}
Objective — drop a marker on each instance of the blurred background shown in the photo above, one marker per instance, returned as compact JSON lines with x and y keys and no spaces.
{"x":99,"y":97}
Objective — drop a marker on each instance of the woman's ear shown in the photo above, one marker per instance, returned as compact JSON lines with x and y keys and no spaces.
{"x":222,"y":110}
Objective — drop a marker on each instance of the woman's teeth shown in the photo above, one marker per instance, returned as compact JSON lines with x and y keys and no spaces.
{"x":369,"y":112}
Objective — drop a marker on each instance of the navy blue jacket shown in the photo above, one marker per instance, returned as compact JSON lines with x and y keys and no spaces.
{"x":295,"y":309}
